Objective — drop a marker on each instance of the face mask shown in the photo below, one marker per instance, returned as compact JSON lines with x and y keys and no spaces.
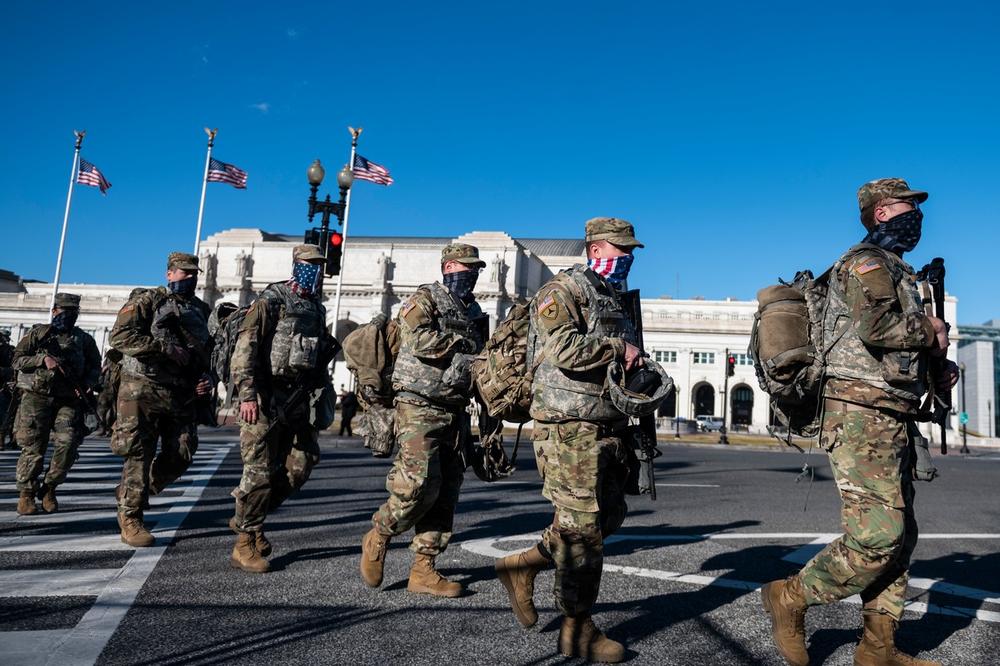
{"x":614,"y":270}
{"x":306,"y":276}
{"x":461,"y":284}
{"x":183,"y":287}
{"x":64,"y":321}
{"x":898,"y":235}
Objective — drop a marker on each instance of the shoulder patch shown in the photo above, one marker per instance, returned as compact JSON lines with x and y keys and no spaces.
{"x":549,"y":308}
{"x":867,"y":267}
{"x":128,"y":308}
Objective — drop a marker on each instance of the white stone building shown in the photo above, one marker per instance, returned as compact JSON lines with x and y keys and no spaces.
{"x":979,"y":353}
{"x":689,"y":338}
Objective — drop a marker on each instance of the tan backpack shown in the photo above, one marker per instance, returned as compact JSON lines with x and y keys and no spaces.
{"x":370,"y":352}
{"x":501,"y":373}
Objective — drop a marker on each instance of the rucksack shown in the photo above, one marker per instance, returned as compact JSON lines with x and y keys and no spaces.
{"x":370,"y":352}
{"x":501,"y":373}
{"x":224,"y":323}
{"x":788,"y":349}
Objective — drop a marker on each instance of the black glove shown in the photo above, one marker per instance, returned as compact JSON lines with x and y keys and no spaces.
{"x":923,"y":468}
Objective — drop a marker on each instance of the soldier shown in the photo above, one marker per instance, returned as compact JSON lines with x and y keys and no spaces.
{"x":281,"y":355}
{"x":7,"y":388}
{"x":877,"y":375}
{"x":57,"y":364}
{"x":162,"y":335}
{"x":578,"y":328}
{"x":439,"y":331}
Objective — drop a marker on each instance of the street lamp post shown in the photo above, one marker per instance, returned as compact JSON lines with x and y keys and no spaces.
{"x":677,"y":412}
{"x":326,"y":207}
{"x":965,"y":414}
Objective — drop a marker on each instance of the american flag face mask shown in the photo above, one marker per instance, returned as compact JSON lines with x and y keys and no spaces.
{"x":614,"y":270}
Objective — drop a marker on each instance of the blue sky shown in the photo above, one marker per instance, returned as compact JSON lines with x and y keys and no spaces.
{"x":733,"y":136}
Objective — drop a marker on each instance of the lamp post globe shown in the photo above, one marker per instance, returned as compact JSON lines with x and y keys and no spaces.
{"x":316,"y":173}
{"x":345,"y":177}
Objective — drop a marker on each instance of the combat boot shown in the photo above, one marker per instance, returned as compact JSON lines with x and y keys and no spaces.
{"x":517,"y":574}
{"x":578,"y":637}
{"x":425,"y":579}
{"x":245,"y":555}
{"x":878,"y":647}
{"x":49,"y":502}
{"x":784,"y":602}
{"x":26,"y":503}
{"x":263,"y":545}
{"x":373,"y":548}
{"x":134,"y":533}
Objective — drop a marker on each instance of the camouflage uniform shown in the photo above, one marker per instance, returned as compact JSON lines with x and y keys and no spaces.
{"x":49,"y":403}
{"x":7,"y":387}
{"x":878,"y":373}
{"x":579,"y":327}
{"x":432,"y":381}
{"x":283,"y":342}
{"x":156,"y":396}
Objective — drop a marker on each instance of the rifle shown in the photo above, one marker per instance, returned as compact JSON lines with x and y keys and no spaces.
{"x":87,"y":399}
{"x":204,"y":406}
{"x":645,"y":434}
{"x":933,"y":275}
{"x":280,"y":415}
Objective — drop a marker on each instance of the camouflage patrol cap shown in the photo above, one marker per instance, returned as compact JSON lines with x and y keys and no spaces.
{"x":887,"y":188}
{"x":182,"y":261}
{"x":307,"y":252}
{"x":65,"y":301}
{"x":463,"y":254}
{"x":611,"y":229}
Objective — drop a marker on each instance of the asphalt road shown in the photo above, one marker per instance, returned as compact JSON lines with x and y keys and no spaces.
{"x":678,"y":588}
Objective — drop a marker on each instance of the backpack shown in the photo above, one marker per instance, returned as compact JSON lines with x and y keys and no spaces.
{"x":788,"y":349}
{"x":370,"y":352}
{"x":225,"y":322}
{"x":501,"y":373}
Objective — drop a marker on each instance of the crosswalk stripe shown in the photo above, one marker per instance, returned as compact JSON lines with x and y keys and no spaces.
{"x":55,"y":582}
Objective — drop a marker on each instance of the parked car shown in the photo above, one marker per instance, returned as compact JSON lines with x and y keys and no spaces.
{"x":709,"y":423}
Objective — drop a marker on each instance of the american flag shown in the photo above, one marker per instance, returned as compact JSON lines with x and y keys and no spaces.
{"x":370,"y":171}
{"x":91,"y":175}
{"x":220,"y":172}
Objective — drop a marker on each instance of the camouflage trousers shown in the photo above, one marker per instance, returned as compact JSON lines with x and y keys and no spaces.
{"x":274,"y":466}
{"x":148,"y":412}
{"x":425,"y":478}
{"x":872,"y":466}
{"x":584,"y":472}
{"x":39,"y":418}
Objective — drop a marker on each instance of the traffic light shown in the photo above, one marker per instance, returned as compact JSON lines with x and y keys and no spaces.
{"x":730,"y":366}
{"x":333,"y":253}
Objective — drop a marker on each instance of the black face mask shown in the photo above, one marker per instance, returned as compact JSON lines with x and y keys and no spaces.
{"x":64,"y":321}
{"x":898,"y":235}
{"x":185,"y":287}
{"x":461,"y":284}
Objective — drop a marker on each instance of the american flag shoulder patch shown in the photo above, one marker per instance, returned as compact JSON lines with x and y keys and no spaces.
{"x":867,"y":267}
{"x":545,"y":303}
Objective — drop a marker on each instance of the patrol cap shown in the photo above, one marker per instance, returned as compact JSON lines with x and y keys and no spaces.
{"x":307,"y":252}
{"x":463,"y":254}
{"x":887,"y":188}
{"x":65,"y":301}
{"x":611,"y":229}
{"x":182,"y":261}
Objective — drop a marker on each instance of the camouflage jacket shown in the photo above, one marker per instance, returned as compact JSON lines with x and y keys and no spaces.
{"x":152,"y":321}
{"x":283,"y":338}
{"x":433,"y":329}
{"x":76,"y":352}
{"x":879,"y":357}
{"x":578,"y":327}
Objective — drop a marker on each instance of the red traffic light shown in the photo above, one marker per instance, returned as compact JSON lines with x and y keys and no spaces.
{"x":336,"y":239}
{"x":732,"y":360}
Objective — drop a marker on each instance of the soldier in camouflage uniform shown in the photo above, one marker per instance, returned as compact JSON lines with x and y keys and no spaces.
{"x":876,"y":377}
{"x":578,"y":328}
{"x":283,"y":343}
{"x":56,"y":364}
{"x":7,"y":388}
{"x":162,"y":335}
{"x":439,"y":330}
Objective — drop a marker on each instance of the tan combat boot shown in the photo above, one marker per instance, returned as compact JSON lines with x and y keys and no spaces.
{"x":578,"y":637}
{"x":517,"y":574}
{"x":878,"y":648}
{"x":425,"y":579}
{"x":784,"y":602}
{"x":263,"y":545}
{"x":245,"y":555}
{"x":134,"y":533}
{"x":373,"y":548}
{"x":26,"y":503}
{"x":49,"y":502}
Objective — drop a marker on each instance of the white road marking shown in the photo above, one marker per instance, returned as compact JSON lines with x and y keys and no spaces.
{"x":39,"y":582}
{"x":23,"y":647}
{"x":688,"y":485}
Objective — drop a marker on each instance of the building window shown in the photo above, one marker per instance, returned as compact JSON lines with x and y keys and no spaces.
{"x":704,"y":358}
{"x":665,"y":356}
{"x":742,"y":359}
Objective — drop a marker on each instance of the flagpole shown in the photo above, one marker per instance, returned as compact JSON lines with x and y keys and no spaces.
{"x":69,"y":200}
{"x":204,"y":185}
{"x":355,"y":133}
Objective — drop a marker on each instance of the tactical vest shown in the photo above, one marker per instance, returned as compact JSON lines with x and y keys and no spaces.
{"x":565,"y":394}
{"x":294,"y":347}
{"x":192,"y":317}
{"x":424,"y":377}
{"x":901,"y":373}
{"x":68,"y":348}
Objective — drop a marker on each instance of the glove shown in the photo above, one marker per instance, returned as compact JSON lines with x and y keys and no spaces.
{"x":177,"y":354}
{"x":924,"y":469}
{"x":459,"y":373}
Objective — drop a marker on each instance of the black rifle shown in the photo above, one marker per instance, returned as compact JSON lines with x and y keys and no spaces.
{"x":646,"y":432}
{"x":87,"y":399}
{"x":280,"y":414}
{"x":204,"y":405}
{"x":933,"y":274}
